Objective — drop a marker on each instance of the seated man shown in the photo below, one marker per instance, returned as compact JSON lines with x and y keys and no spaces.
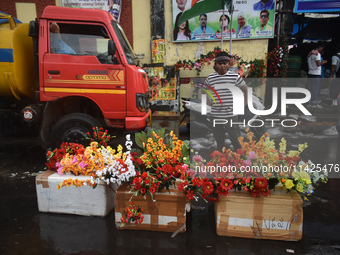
{"x":57,"y":44}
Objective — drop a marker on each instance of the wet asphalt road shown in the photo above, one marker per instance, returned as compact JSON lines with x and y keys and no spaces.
{"x":26,"y":231}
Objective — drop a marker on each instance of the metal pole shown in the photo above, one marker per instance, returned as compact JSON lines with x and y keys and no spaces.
{"x":222,"y":29}
{"x":279,"y":24}
{"x":278,"y":30}
{"x":231,"y":23}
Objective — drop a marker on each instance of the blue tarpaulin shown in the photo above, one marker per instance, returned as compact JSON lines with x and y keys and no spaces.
{"x":308,"y":6}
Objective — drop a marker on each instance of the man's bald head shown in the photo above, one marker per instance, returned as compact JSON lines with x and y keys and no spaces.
{"x":54,"y":28}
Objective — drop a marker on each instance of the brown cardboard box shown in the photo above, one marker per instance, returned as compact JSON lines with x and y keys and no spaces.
{"x":167,"y":214}
{"x":278,"y":216}
{"x":166,"y":119}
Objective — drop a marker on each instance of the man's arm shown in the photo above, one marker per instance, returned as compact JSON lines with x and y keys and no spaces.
{"x":332,"y":71}
{"x":244,"y":89}
{"x":319,"y":63}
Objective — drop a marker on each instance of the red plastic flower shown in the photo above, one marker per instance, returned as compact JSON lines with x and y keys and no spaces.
{"x":208,"y":187}
{"x":261,"y":183}
{"x":190,"y":194}
{"x":226,"y":184}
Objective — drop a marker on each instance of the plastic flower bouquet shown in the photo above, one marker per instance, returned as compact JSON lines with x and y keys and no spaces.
{"x":256,"y":168}
{"x":133,"y":214}
{"x":102,"y":164}
{"x":53,"y":157}
{"x":100,"y":136}
{"x":159,"y":162}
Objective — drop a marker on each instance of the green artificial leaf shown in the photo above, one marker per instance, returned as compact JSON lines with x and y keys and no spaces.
{"x":186,"y":148}
{"x":159,"y":132}
{"x":141,"y":138}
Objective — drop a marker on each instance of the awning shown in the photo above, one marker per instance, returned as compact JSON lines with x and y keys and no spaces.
{"x":320,"y":6}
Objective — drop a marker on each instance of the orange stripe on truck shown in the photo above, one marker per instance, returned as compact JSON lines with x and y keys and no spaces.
{"x":93,"y":91}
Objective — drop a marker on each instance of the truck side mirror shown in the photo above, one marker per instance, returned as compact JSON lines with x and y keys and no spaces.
{"x":112,"y":48}
{"x":33,"y":29}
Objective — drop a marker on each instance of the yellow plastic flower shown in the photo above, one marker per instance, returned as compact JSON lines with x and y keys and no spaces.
{"x":283,"y":145}
{"x":300,"y":175}
{"x":306,"y":180}
{"x":299,"y":187}
{"x":289,"y":184}
{"x":302,"y":147}
{"x":293,"y":153}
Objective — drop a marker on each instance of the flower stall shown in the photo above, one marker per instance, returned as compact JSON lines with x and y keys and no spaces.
{"x":258,"y":190}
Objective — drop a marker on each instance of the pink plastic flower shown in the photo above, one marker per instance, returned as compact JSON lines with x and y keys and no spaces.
{"x":185,"y":167}
{"x":248,"y":162}
{"x":198,"y":159}
{"x":60,"y":170}
{"x":203,"y":172}
{"x":252,"y":155}
{"x":192,"y":173}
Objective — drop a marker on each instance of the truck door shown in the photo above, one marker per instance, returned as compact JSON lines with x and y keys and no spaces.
{"x":77,"y":64}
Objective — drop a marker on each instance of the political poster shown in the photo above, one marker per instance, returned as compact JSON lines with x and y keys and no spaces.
{"x":251,"y":19}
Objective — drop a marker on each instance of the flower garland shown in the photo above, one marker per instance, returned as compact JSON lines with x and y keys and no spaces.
{"x":257,"y":68}
{"x":256,"y":73}
{"x":198,"y":64}
{"x":275,"y":58}
{"x":278,"y":60}
{"x":253,"y":69}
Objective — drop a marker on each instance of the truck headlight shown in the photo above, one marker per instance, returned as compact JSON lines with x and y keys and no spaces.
{"x":142,"y":102}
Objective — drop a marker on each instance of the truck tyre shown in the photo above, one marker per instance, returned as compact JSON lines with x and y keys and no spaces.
{"x":73,"y":128}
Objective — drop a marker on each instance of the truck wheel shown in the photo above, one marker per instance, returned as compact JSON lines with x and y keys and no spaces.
{"x":73,"y":128}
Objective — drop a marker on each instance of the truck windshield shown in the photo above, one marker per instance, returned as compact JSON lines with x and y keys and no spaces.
{"x":129,"y":54}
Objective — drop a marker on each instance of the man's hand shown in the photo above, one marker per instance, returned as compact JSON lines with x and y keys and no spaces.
{"x":244,"y":89}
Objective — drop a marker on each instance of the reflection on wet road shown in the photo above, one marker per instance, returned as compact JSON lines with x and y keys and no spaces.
{"x":26,"y":231}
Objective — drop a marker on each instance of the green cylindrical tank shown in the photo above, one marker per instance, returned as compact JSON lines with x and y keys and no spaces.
{"x":16,"y":61}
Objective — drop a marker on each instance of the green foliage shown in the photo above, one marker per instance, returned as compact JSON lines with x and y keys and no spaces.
{"x":186,"y":152}
{"x":257,"y":68}
{"x":142,"y":137}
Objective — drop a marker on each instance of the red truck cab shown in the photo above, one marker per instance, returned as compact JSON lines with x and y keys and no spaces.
{"x":87,"y":75}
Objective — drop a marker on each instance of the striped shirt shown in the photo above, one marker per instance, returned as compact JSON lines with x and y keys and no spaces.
{"x":218,"y":82}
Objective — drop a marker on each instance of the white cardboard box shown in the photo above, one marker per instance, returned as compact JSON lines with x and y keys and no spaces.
{"x":72,"y":200}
